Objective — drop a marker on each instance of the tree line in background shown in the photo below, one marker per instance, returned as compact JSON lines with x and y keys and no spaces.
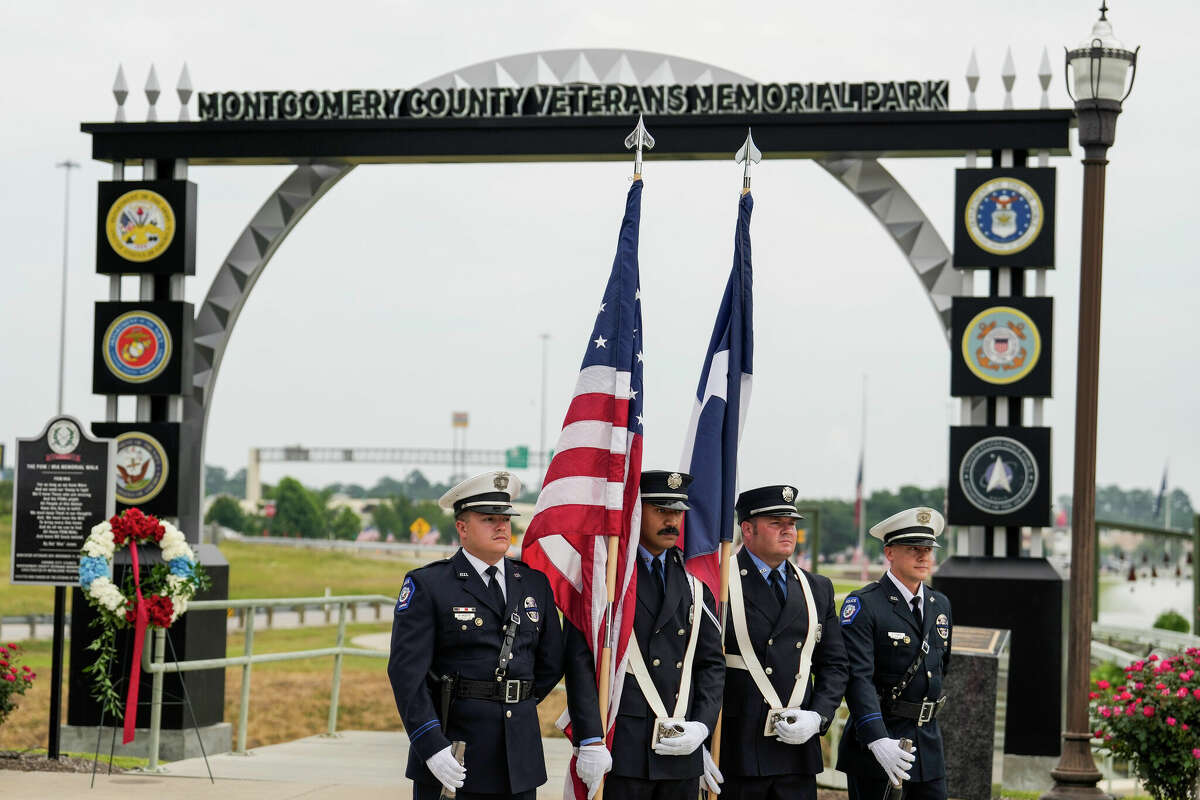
{"x":307,"y":512}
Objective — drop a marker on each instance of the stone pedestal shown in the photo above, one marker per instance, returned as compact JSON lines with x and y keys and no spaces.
{"x":173,"y":745}
{"x":972,"y":721}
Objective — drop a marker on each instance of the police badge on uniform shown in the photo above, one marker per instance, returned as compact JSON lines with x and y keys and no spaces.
{"x":531,"y":609}
{"x":943,"y":626}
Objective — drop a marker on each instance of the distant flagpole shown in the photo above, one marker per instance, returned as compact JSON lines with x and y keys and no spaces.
{"x":860,"y":501}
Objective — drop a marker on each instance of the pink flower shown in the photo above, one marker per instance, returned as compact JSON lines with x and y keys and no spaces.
{"x":1135,"y":666}
{"x":1148,"y":711}
{"x":1171,"y":721}
{"x":1160,"y":686}
{"x":1196,"y":752}
{"x":1093,"y":695}
{"x":1126,"y":695}
{"x":1153,"y":657}
{"x":9,"y":678}
{"x":1182,"y":692}
{"x":1103,"y":684}
{"x":1105,"y":711}
{"x":1129,"y":711}
{"x":1196,"y":693}
{"x":1187,"y":676}
{"x":1139,"y":685}
{"x":1185,"y":727}
{"x":1099,"y":733}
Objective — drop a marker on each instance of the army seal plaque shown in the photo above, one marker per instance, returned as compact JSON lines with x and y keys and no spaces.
{"x":140,"y":225}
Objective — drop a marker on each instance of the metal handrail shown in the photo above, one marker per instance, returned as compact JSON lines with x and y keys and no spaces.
{"x":153,"y":658}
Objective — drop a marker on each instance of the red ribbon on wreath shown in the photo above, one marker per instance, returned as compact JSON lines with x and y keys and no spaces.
{"x":139,"y":637}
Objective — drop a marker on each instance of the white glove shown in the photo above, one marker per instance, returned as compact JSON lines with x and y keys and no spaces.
{"x":712,"y":778}
{"x":895,"y":762}
{"x":446,"y":769}
{"x":591,"y":762}
{"x":806,"y":725}
{"x":694,"y":734}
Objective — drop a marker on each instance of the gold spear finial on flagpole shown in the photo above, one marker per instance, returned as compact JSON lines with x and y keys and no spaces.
{"x":639,"y":138}
{"x":749,"y":154}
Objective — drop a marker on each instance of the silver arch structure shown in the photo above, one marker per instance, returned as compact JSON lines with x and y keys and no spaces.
{"x":866,"y":178}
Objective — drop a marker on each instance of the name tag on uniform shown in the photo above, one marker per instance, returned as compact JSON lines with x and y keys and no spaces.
{"x":895,"y":634}
{"x":464,"y":613}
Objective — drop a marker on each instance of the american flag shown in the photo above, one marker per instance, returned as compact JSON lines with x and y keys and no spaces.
{"x":591,"y":487}
{"x":722,"y":397}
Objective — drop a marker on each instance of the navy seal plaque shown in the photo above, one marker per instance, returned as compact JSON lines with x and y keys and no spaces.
{"x":999,"y":476}
{"x":142,"y":348}
{"x":1004,"y":217}
{"x":1001,"y":346}
{"x":146,"y":465}
{"x":62,"y":486}
{"x":146,"y":227}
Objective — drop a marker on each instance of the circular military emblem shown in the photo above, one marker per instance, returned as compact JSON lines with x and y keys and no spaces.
{"x":674,"y":480}
{"x":998,"y":475}
{"x":63,"y":436}
{"x":942,"y":623}
{"x":1001,"y":345}
{"x":140,"y":225}
{"x":137,"y":346}
{"x":142,"y":467}
{"x":1004,"y":216}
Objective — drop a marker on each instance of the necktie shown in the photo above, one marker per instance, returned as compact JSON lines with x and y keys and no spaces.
{"x":777,"y":585}
{"x":916,"y":606}
{"x":494,"y":586}
{"x":660,"y":579}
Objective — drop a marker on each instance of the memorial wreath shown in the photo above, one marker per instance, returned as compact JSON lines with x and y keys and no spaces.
{"x":155,"y":601}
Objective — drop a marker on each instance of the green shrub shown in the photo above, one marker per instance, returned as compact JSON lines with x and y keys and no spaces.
{"x":1172,"y":621}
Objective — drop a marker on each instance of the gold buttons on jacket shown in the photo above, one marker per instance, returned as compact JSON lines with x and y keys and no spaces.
{"x":770,"y":642}
{"x":768,"y":670}
{"x":464,"y":627}
{"x":656,"y":662}
{"x":478,"y":621}
{"x":680,"y":631}
{"x":678,"y":665}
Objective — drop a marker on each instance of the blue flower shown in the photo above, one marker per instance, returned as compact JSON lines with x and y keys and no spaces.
{"x":90,"y":568}
{"x":182,"y":567}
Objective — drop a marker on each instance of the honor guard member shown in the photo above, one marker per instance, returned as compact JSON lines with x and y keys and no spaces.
{"x":672,"y":692}
{"x":786,"y":664}
{"x":476,"y":645}
{"x":897,"y":635}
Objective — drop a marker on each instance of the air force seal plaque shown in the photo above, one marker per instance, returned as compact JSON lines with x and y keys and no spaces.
{"x":137,"y":346}
{"x":140,"y":225}
{"x":1005,"y":217}
{"x":999,"y":476}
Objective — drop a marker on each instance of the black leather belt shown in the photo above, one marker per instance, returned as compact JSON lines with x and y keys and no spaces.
{"x":507,"y":691}
{"x":922,"y":712}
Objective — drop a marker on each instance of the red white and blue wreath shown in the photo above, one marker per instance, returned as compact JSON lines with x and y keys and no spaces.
{"x":153,"y":602}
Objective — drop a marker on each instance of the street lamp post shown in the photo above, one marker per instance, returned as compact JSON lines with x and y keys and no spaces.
{"x":1100,"y":66}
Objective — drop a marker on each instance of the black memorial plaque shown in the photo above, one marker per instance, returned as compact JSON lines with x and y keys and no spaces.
{"x":1001,"y":346}
{"x":62,"y":486}
{"x":146,"y":227}
{"x":142,"y":348}
{"x":146,"y":465}
{"x":1004,"y":217}
{"x":999,"y":476}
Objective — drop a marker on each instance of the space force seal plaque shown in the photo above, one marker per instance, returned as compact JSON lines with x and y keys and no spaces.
{"x":998,"y":475}
{"x":140,"y":225}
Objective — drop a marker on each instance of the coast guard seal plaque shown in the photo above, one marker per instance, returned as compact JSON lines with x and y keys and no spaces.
{"x":1001,"y":346}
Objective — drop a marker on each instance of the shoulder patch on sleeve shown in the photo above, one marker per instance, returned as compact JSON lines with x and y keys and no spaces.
{"x":850,"y":608}
{"x":406,"y":595}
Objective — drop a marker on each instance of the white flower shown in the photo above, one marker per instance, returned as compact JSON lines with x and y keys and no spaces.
{"x":104,"y":592}
{"x":102,"y":528}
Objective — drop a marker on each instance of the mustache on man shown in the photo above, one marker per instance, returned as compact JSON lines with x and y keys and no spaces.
{"x":670,"y":530}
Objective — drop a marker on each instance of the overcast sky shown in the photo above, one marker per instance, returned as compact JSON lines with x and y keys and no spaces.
{"x":410,"y":292}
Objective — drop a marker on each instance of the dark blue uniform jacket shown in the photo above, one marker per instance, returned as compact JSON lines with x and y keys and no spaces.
{"x":446,"y":621}
{"x":662,"y":632}
{"x":882,"y":641}
{"x":777,"y":634}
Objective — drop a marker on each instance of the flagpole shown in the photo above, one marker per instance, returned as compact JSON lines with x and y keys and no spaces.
{"x":862,"y":502}
{"x":748,"y":154}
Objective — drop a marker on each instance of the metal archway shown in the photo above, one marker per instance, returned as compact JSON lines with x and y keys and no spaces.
{"x":866,"y":178}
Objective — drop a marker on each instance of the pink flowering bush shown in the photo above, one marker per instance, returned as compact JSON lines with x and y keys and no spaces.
{"x":1152,"y":719}
{"x":15,"y":678}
